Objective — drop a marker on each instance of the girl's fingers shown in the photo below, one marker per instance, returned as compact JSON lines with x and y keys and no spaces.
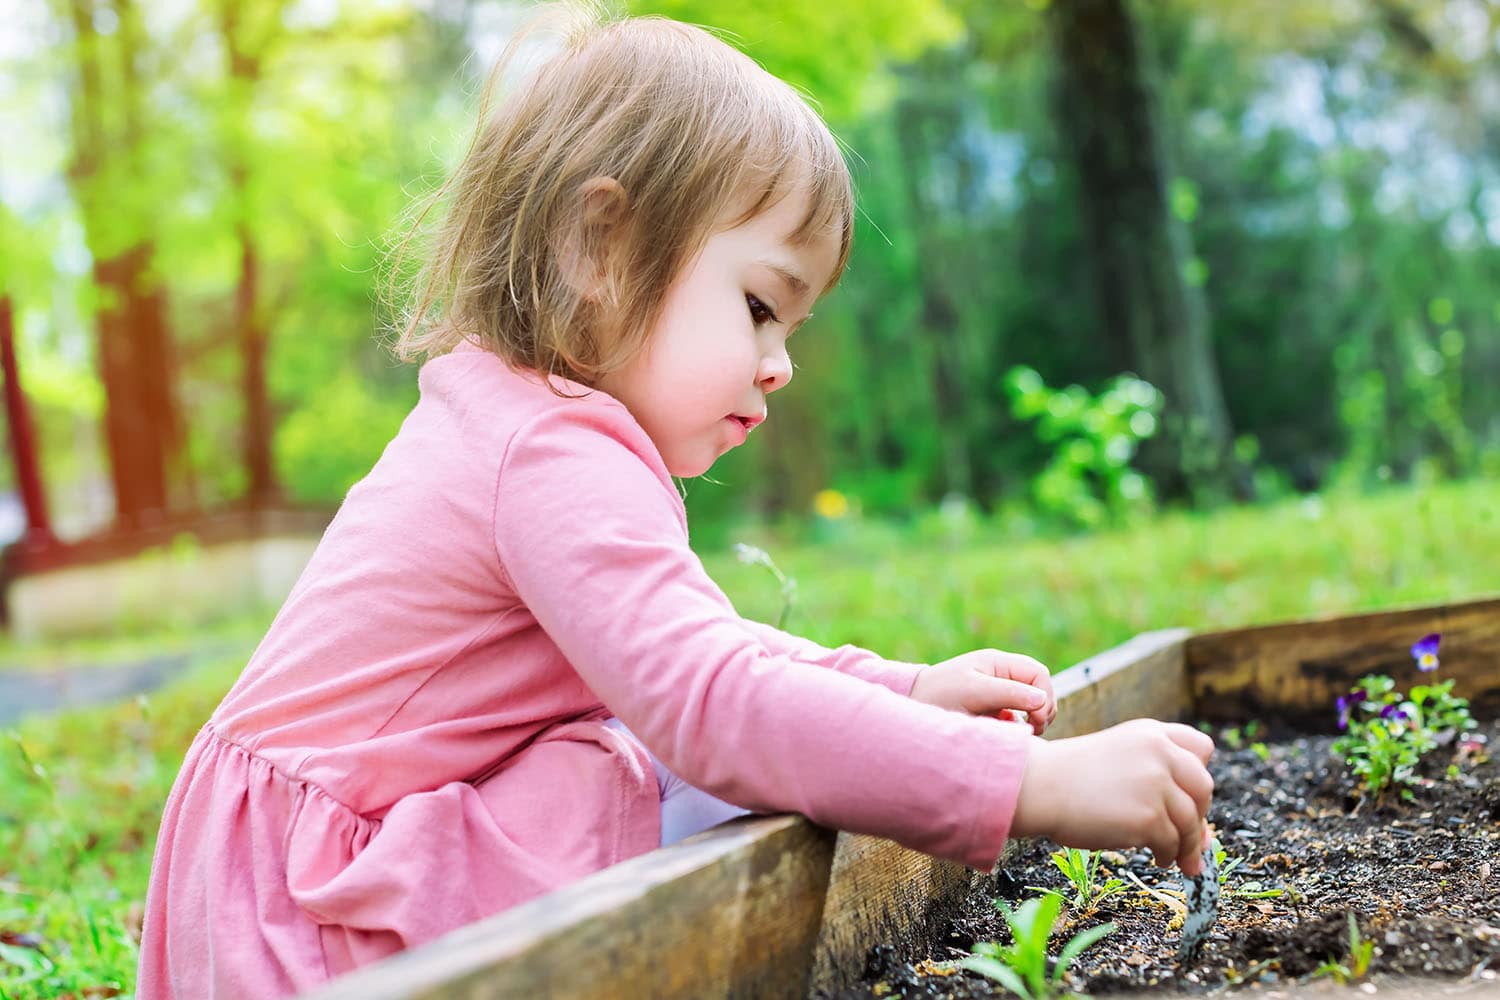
{"x":997,"y":693}
{"x":1019,"y":667}
{"x":1196,"y":742}
{"x":1163,"y":840}
{"x":1188,"y":822}
{"x":1193,"y":778}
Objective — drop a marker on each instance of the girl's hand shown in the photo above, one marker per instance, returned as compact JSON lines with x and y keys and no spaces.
{"x":1142,"y":783}
{"x":989,"y":682}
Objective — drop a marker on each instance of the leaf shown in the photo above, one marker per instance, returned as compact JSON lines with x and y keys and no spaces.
{"x":33,"y":962}
{"x":1080,"y":942}
{"x":998,"y":971}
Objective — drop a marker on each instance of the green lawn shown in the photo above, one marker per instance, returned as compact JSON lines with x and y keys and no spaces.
{"x":82,"y":792}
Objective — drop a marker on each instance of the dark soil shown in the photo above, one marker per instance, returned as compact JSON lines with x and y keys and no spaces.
{"x":1421,"y":878}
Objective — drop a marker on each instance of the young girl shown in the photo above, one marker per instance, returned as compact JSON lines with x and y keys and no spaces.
{"x":504,"y":668}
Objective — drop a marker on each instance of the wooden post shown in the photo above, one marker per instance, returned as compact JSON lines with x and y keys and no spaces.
{"x":22,"y":440}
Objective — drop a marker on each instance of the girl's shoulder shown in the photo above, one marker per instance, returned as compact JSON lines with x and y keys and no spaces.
{"x":487,"y":397}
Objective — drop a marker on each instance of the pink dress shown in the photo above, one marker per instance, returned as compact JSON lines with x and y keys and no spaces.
{"x":418,"y":741}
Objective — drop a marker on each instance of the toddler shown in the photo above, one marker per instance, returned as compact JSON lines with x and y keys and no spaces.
{"x":504,"y":668}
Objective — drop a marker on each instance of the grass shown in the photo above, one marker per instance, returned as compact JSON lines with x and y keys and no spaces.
{"x":121,"y":648}
{"x":1064,"y":600}
{"x":83,"y":791}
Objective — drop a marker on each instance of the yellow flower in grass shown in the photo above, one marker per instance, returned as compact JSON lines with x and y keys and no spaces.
{"x":830,"y":504}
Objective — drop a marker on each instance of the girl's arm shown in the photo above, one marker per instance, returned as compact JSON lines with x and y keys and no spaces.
{"x":591,"y":535}
{"x":852,"y":660}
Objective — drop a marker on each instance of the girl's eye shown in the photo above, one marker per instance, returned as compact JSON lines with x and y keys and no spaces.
{"x":760,"y":313}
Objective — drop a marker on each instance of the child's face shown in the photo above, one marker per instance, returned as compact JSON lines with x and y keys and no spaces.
{"x":719,"y":347}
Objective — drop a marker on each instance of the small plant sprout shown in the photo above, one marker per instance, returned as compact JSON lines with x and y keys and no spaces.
{"x":750,"y":555}
{"x":1236,"y":737}
{"x":1358,"y":959}
{"x":1021,"y":966}
{"x":1245,"y":890}
{"x":1079,"y":868}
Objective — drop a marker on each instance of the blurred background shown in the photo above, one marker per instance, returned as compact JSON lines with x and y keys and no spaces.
{"x":1283,"y":218}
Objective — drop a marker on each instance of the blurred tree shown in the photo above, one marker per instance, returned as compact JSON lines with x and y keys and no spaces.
{"x":246,"y":32}
{"x":797,"y":41}
{"x":1139,"y":248}
{"x":143,"y":427}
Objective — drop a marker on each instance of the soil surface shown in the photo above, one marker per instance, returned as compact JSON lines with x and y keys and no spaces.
{"x":1421,"y":878}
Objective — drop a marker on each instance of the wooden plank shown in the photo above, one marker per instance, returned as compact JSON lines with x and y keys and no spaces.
{"x":1294,"y":671}
{"x":1145,"y":677}
{"x":731,"y":912}
{"x":882,"y":893}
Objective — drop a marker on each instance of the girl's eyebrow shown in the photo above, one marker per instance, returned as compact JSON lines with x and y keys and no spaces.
{"x":794,"y":281}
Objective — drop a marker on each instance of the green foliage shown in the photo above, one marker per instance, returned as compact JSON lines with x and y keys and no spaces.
{"x":1079,"y":867}
{"x":1439,"y":711}
{"x":1357,"y":963}
{"x":1021,"y":966}
{"x":83,"y":798}
{"x":1088,"y":481}
{"x":793,"y":40}
{"x":1387,"y":733}
{"x":1223,"y":862}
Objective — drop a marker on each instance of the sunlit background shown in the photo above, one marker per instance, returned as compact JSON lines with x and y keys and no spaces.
{"x":1283,"y":217}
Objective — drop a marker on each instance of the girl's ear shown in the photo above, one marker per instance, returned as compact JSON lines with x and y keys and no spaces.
{"x":589,"y":244}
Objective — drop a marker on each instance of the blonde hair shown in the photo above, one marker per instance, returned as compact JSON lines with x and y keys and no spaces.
{"x":690,"y":128}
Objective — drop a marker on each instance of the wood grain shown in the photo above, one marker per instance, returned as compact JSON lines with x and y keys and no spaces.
{"x":1292,"y":672}
{"x":731,"y":912}
{"x":1145,"y":677}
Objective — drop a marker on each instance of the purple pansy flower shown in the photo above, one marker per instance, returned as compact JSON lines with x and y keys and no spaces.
{"x":1425,"y":650}
{"x":1393,"y":712}
{"x":1347,"y":703}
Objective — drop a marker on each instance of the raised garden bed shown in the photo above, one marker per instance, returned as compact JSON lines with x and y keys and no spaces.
{"x":777,"y":907}
{"x":1420,"y":877}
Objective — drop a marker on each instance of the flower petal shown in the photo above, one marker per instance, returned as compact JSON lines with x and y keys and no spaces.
{"x":1427,"y":645}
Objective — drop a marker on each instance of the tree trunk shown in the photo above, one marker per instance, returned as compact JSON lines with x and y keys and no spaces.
{"x":243,"y":49}
{"x":23,"y":450}
{"x":142,"y":429}
{"x":1138,"y":250}
{"x":940,"y":319}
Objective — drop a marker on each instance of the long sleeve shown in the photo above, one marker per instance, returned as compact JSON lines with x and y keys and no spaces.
{"x":592,"y":537}
{"x":852,"y":660}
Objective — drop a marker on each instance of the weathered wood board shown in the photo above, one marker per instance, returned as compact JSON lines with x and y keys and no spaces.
{"x":1294,"y":671}
{"x":731,"y":912}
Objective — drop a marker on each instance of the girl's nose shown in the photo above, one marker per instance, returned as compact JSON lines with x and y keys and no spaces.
{"x":775,"y":370}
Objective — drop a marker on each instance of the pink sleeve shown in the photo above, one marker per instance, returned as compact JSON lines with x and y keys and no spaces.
{"x":851,"y":660}
{"x":591,"y":535}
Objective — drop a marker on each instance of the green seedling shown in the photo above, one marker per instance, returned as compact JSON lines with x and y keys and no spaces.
{"x":1021,"y":966}
{"x":1223,"y":861}
{"x":1079,"y":868}
{"x":1360,"y":952}
{"x":1235,"y":737}
{"x":1246,"y":890}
